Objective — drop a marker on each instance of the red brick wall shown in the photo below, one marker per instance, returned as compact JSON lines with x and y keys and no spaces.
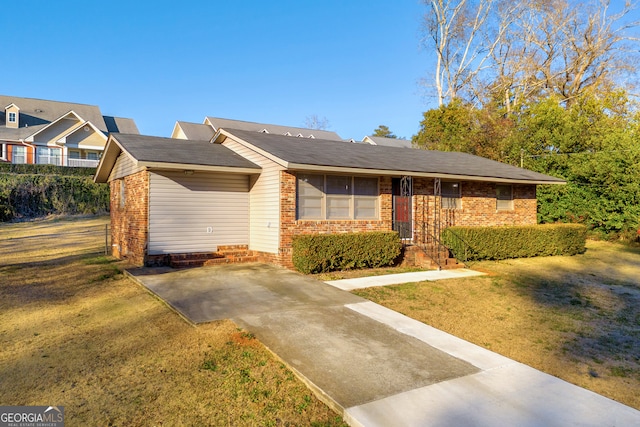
{"x":290,"y":227}
{"x":478,"y":206}
{"x":478,"y":209}
{"x":129,"y":223}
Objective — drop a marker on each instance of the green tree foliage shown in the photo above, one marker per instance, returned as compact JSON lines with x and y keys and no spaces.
{"x":593,"y":143}
{"x":384,"y":131}
{"x":464,"y":128}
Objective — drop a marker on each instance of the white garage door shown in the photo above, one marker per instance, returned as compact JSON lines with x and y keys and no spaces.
{"x":197,"y":212}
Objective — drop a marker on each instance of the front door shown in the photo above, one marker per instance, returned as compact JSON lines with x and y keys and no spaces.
{"x":402,"y":190}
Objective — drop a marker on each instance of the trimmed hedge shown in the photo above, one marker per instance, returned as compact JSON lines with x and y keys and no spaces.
{"x":24,"y":169}
{"x":31,"y":196}
{"x":515,"y":241}
{"x":319,"y":253}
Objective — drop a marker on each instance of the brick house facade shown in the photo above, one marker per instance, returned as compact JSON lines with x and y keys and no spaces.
{"x":272,"y":168}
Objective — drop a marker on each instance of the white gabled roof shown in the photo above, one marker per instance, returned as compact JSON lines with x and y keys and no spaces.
{"x":31,"y":137}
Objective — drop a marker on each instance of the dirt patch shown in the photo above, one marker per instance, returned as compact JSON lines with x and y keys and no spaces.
{"x":577,"y":318}
{"x":75,"y":332}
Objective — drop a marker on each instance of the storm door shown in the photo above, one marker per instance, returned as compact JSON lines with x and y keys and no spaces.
{"x":402,"y":190}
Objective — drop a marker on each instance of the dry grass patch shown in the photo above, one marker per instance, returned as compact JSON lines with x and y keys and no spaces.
{"x":577,"y":318}
{"x":75,"y":332}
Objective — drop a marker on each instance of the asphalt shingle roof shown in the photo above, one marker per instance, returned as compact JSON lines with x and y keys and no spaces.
{"x":391,"y":142}
{"x":168,"y":150}
{"x":219,"y":123}
{"x":313,"y":152}
{"x":37,"y":113}
{"x":197,"y":131}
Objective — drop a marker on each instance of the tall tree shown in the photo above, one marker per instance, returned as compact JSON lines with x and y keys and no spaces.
{"x":463,"y":35}
{"x":384,"y":131}
{"x":512,"y":52}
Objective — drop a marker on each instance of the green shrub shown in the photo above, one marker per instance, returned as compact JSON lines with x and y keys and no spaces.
{"x":31,"y":196}
{"x":318,"y":253}
{"x":24,"y":169}
{"x":479,"y":243}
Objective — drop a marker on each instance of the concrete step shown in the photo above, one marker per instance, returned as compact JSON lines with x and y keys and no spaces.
{"x":232,"y":260}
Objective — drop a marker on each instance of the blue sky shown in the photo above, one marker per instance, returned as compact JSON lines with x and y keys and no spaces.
{"x":357,"y":63}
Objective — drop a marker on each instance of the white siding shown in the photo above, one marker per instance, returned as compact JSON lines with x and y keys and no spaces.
{"x":264,"y":200}
{"x":196,"y":213}
{"x":124,"y":166}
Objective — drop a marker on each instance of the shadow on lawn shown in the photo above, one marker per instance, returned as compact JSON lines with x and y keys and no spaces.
{"x":600,"y":316}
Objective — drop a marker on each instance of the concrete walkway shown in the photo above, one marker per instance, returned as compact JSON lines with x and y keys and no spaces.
{"x":395,"y":279}
{"x":375,"y":366}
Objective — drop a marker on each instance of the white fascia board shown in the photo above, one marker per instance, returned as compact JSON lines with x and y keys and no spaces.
{"x":203,"y":168}
{"x":63,"y":140}
{"x":176,"y":128}
{"x":64,"y":116}
{"x":12,"y":105}
{"x":112,"y":150}
{"x":381,"y":172}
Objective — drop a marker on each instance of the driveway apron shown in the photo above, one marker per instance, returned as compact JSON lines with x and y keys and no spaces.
{"x":351,"y":358}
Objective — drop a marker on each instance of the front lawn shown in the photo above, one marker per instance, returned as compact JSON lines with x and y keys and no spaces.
{"x":577,"y":318}
{"x":75,"y":332}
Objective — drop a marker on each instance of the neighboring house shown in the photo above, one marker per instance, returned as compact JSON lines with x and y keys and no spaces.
{"x":37,"y":131}
{"x":389,"y":142}
{"x":253,"y":191}
{"x":193,"y":131}
{"x":211,"y":125}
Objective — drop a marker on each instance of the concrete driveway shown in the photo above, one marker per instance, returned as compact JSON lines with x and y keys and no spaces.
{"x":373,"y":365}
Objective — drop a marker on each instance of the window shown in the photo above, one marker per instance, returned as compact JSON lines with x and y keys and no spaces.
{"x":19,"y":154}
{"x":74,"y":154}
{"x":12,"y":117}
{"x":92,"y":155}
{"x":122,"y":193}
{"x":310,"y":196}
{"x":451,"y":195}
{"x":504,"y":197}
{"x":48,"y":156}
{"x":365,"y":198}
{"x":337,"y":197}
{"x":3,"y":151}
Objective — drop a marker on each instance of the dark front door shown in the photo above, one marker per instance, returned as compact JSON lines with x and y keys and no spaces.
{"x":402,"y":191}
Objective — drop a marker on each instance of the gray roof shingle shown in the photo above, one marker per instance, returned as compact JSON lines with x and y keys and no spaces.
{"x":300,"y":152}
{"x":120,"y":125}
{"x":273,"y":129}
{"x":41,"y":111}
{"x":390,"y":142}
{"x":197,"y":131}
{"x":38,"y":112}
{"x":181,"y":151}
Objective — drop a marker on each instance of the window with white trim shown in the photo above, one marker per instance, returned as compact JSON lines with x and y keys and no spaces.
{"x":451,"y":195}
{"x":12,"y":117}
{"x":337,"y":197}
{"x":19,"y":154}
{"x":48,"y":156}
{"x":504,"y":197}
